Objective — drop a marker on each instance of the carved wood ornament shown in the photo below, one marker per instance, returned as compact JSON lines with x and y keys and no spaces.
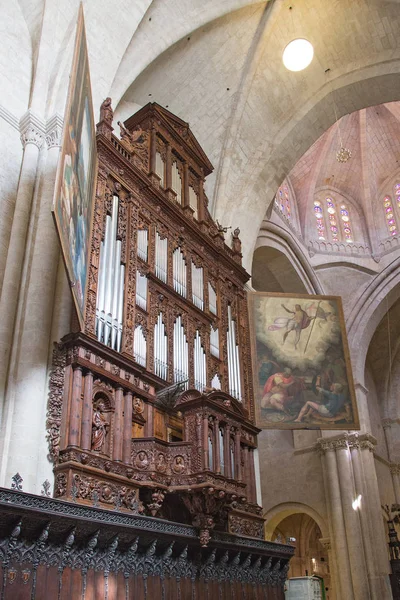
{"x":115,"y":437}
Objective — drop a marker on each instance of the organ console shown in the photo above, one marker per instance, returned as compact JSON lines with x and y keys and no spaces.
{"x":154,"y":398}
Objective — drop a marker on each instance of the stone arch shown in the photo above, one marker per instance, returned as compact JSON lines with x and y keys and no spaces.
{"x":276,"y":238}
{"x":367,"y":313}
{"x":279,"y":512}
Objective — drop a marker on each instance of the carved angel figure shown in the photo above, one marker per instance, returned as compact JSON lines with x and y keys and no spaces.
{"x":99,"y":428}
{"x":106,"y":111}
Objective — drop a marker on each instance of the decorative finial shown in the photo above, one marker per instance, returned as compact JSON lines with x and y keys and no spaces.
{"x":46,"y":488}
{"x":16,"y":482}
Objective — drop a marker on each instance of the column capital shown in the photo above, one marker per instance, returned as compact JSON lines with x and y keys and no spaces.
{"x":326,"y":543}
{"x":54,"y":128}
{"x":346,"y":440}
{"x":395,"y":468}
{"x":32,"y":129}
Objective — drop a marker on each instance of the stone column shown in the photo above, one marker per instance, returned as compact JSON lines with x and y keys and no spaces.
{"x":127,"y":434}
{"x":327,"y":448}
{"x":75,"y":412}
{"x":395,"y":472}
{"x":87,"y":412}
{"x":374,"y":508}
{"x":118,"y":424}
{"x":363,"y":513}
{"x":32,"y":137}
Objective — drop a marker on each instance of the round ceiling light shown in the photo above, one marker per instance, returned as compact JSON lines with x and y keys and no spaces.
{"x":298,"y":54}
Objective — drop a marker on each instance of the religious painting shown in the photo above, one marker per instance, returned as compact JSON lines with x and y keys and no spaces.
{"x":73,"y":199}
{"x":301,"y":365}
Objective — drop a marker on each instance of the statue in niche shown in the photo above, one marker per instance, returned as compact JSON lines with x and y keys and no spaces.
{"x":99,"y":428}
{"x":142,"y":462}
{"x":236,"y":242}
{"x":106,"y":111}
{"x":179,"y":465}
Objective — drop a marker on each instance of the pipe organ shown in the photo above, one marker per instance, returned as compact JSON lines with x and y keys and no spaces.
{"x":155,"y":395}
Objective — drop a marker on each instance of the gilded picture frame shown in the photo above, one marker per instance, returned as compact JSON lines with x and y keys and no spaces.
{"x":75,"y":181}
{"x":301,"y":362}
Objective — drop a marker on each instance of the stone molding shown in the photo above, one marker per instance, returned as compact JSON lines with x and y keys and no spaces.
{"x":54,"y":129}
{"x":394,"y":468}
{"x":387,"y":423}
{"x":326,"y":543}
{"x":32,"y":129}
{"x":361,"y":387}
{"x":7,"y":116}
{"x":364,"y":441}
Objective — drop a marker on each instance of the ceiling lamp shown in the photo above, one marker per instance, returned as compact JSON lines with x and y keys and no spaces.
{"x":298,"y":54}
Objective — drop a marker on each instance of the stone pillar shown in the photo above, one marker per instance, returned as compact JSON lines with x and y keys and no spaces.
{"x":374,"y":508}
{"x":127,"y":433}
{"x":395,"y":472}
{"x":75,"y":412}
{"x":118,"y":424}
{"x":336,"y":515}
{"x":352,"y":523}
{"x":34,"y":249}
{"x":32,"y":137}
{"x":363,"y":514}
{"x":87,"y":412}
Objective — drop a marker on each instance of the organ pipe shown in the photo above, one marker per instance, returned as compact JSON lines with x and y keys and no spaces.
{"x":177,"y":182}
{"x":160,"y":170}
{"x":214,"y":342}
{"x":181,"y":356}
{"x":193,"y":201}
{"x":233,"y":358}
{"x":197,"y":286}
{"x":179,"y":272}
{"x":200,"y":374}
{"x":140,"y":346}
{"x":161,"y":258}
{"x":142,"y":244}
{"x":212,"y":299}
{"x":141,"y":290}
{"x":160,"y":349}
{"x":110,"y":295}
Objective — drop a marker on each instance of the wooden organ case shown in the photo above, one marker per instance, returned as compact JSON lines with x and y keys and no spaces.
{"x":151,"y":407}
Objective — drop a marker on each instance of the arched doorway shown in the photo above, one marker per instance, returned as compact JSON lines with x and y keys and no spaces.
{"x":311,"y":557}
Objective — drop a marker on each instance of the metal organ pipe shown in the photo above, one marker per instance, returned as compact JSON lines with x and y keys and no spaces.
{"x":200,"y":373}
{"x":141,"y":290}
{"x":179,"y":272}
{"x":197,"y":286}
{"x":140,"y":346}
{"x":212,"y":299}
{"x":161,"y":258}
{"x":142,"y":240}
{"x":160,"y":349}
{"x":214,"y":341}
{"x":110,"y":295}
{"x":233,"y":358}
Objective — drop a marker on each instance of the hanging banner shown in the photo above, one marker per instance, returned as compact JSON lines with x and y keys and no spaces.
{"x":75,"y":181}
{"x":301,"y":364}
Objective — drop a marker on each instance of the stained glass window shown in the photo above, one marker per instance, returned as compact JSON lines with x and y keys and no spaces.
{"x":333,"y":220}
{"x":397,"y":193}
{"x":389,"y":213}
{"x":346,"y":224}
{"x":282,"y":201}
{"x":319,"y":215}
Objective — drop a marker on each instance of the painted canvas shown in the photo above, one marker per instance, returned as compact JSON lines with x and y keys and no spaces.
{"x":73,"y":200}
{"x":301,"y":365}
